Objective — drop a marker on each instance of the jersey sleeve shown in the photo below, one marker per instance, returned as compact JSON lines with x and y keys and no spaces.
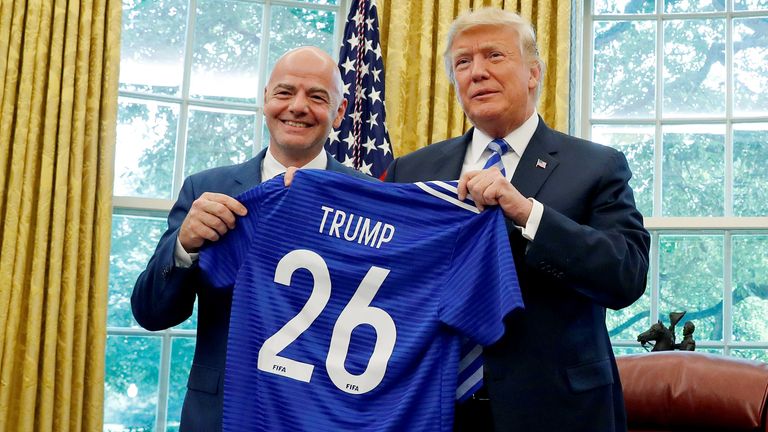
{"x":221,"y":260}
{"x":482,"y":285}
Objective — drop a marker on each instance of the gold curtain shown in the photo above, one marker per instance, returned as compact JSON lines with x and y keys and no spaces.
{"x":58,"y":105}
{"x":421,"y":104}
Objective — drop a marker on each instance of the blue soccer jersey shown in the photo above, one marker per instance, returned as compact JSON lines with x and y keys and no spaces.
{"x":350,"y":300}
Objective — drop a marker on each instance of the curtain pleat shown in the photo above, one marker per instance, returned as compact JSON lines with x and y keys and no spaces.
{"x":421,"y":104}
{"x":58,"y":98}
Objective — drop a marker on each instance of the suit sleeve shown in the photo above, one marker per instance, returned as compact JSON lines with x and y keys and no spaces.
{"x":605,"y":258}
{"x":164,"y":295}
{"x":390,"y":172}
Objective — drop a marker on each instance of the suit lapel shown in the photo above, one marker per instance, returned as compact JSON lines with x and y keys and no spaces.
{"x":446,"y":165}
{"x":538,"y":162}
{"x":334,"y":165}
{"x":249,"y":174}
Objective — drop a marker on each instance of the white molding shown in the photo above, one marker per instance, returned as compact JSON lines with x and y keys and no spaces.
{"x":706,"y":223}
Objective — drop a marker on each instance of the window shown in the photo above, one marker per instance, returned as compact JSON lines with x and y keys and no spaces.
{"x":192,"y":75}
{"x":681,"y":87}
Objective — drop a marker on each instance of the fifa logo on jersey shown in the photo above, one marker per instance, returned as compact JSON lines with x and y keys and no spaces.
{"x":353,"y":387}
{"x":355,"y":228}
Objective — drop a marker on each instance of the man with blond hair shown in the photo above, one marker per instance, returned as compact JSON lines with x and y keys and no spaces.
{"x":577,"y":239}
{"x":303,"y":100}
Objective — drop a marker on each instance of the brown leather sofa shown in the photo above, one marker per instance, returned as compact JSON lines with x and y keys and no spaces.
{"x":692,"y":391}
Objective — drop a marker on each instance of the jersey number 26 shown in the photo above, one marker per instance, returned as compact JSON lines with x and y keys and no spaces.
{"x":358,"y":311}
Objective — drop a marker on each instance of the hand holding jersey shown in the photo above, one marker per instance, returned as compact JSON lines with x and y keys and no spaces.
{"x":488,"y":187}
{"x":209,"y":218}
{"x":212,"y":215}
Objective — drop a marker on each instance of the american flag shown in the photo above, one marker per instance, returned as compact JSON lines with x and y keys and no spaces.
{"x":362,"y":139}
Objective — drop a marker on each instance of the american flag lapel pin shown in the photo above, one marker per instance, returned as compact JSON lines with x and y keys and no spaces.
{"x":541,"y":164}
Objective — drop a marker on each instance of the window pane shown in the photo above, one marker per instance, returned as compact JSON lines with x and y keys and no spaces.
{"x":152,"y":46}
{"x":629,"y":322}
{"x":750,"y":288}
{"x":218,"y":137}
{"x":620,"y":351}
{"x":294,"y":27}
{"x":146,"y":140}
{"x":691,"y":280}
{"x":694,"y":67}
{"x":225,"y":58}
{"x":183,"y":349}
{"x":750,"y":176}
{"x":750,"y":69}
{"x":716,"y":351}
{"x":624,"y":6}
{"x":624,"y":69}
{"x":750,"y":5}
{"x":693,"y":170}
{"x":752,"y":354}
{"x":677,"y":6}
{"x":636,"y":142}
{"x":133,"y":240}
{"x":130,"y":388}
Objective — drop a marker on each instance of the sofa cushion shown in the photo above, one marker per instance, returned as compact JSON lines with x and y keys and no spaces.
{"x":678,"y":390}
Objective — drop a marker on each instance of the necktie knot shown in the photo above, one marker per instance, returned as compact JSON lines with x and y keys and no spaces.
{"x":497,"y":147}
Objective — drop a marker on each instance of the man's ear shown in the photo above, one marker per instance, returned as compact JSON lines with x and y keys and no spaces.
{"x":535,"y":77}
{"x":340,"y":113}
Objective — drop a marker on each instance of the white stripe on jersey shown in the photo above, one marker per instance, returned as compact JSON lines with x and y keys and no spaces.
{"x":469,"y":383}
{"x":449,"y":186}
{"x":446,"y":186}
{"x":446,"y":197}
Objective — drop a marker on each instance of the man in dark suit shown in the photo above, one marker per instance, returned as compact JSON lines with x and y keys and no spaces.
{"x":303,"y":100}
{"x":576,"y":236}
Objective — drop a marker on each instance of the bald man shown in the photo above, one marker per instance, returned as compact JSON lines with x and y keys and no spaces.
{"x":303,"y":100}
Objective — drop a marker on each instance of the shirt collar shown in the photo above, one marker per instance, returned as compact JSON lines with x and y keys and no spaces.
{"x":518,"y":139}
{"x":270,"y":167}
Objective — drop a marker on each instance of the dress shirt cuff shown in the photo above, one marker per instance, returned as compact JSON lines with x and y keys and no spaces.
{"x":530,"y":228}
{"x":182,"y":258}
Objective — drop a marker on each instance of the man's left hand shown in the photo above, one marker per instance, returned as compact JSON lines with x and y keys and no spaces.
{"x":488,"y":187}
{"x":289,"y":173}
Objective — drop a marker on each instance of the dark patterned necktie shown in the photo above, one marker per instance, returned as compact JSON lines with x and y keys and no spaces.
{"x":498,"y":147}
{"x":471,"y":361}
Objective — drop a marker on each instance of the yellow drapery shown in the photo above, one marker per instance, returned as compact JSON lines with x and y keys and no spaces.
{"x":421,"y":104}
{"x":58,"y":105}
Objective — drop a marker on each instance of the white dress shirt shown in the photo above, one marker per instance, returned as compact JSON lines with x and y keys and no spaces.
{"x":478,"y":153}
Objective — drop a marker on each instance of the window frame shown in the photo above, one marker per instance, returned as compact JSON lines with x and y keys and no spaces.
{"x":582,"y":122}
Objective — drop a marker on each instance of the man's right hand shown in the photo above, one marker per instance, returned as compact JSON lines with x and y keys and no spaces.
{"x":209,"y":218}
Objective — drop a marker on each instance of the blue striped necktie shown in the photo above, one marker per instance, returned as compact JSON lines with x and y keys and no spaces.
{"x":471,"y":360}
{"x":498,"y":147}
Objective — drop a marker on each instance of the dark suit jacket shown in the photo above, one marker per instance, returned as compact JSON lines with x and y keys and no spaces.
{"x":554,"y":369}
{"x":164,"y":294}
